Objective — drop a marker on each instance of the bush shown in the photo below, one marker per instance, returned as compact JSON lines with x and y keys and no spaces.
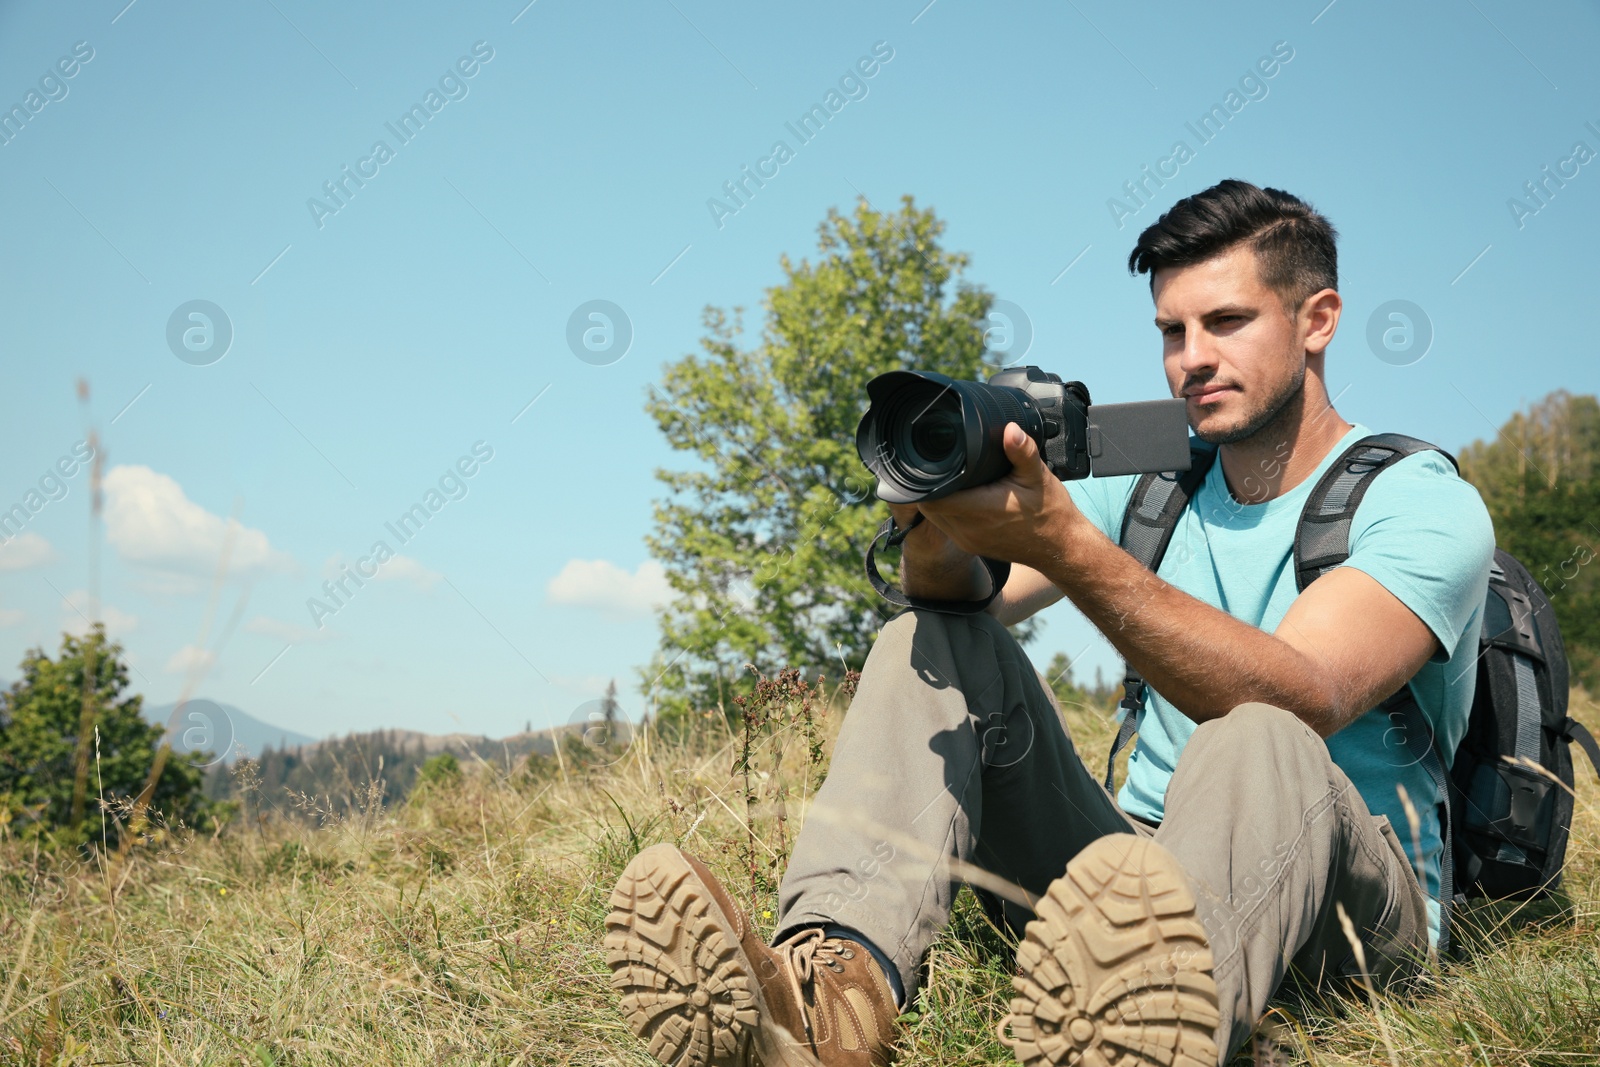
{"x":438,"y":772}
{"x":77,"y":756}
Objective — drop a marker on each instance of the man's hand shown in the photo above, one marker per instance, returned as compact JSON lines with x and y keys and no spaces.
{"x":1026,"y":517}
{"x":1010,"y":519}
{"x":934,"y":567}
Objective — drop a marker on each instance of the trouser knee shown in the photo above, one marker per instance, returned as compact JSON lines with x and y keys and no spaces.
{"x":934,"y":643}
{"x":1254,"y":732}
{"x":1256,"y":753}
{"x":1005,"y":702}
{"x":910,"y":620}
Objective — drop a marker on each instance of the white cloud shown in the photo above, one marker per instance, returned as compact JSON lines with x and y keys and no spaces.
{"x":586,"y":686}
{"x":81,"y":608}
{"x":605,"y":587}
{"x":190,"y":660}
{"x":406,"y":569}
{"x":11,"y":616}
{"x":287,"y":632}
{"x":396,"y":569}
{"x":167,"y":583}
{"x":25,"y":550}
{"x":151,"y":523}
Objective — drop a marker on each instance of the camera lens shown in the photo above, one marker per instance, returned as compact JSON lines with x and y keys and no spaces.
{"x":924,"y":435}
{"x":936,"y":432}
{"x":927,"y":435}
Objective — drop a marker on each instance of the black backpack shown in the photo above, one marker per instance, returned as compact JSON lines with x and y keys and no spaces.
{"x":1504,"y":817}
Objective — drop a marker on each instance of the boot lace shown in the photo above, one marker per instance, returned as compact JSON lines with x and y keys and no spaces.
{"x":803,"y":952}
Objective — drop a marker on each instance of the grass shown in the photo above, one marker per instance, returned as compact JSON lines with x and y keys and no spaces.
{"x":463,"y":926}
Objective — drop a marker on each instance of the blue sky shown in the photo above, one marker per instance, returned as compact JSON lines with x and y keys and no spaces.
{"x":375,"y":347}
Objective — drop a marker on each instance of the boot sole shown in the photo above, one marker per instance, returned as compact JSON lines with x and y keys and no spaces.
{"x":1116,"y":968}
{"x":687,"y":986}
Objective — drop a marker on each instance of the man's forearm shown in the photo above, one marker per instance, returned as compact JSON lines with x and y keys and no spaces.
{"x":1341,"y":648}
{"x":1202,"y":660}
{"x":946,"y":573}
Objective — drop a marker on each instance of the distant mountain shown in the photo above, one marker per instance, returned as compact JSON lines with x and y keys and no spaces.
{"x":206,"y":726}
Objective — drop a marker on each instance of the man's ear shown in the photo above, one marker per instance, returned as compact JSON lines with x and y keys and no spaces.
{"x":1320,"y":314}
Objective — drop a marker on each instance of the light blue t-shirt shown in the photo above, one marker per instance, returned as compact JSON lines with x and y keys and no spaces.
{"x":1421,"y":531}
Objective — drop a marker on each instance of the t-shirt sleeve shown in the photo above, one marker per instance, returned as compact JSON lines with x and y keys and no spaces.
{"x":1103,"y":500}
{"x":1423,"y":533}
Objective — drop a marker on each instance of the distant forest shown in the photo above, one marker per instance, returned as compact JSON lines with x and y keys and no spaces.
{"x":1538,"y":478}
{"x":340,"y":776}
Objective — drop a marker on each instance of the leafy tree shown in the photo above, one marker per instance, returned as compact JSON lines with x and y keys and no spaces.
{"x":1101,"y":698}
{"x":763,"y":538}
{"x":438,"y":772}
{"x":1538,"y":478}
{"x":79,"y":696}
{"x":609,"y":709}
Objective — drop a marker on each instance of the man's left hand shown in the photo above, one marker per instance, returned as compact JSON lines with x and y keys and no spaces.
{"x":1026,"y":517}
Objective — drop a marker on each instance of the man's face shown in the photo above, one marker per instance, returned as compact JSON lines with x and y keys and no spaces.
{"x":1228,"y":346}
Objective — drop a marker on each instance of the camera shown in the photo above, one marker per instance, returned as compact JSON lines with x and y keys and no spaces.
{"x":926,"y":435}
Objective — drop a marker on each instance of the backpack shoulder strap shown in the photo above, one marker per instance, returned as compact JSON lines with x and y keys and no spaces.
{"x":1322,"y":540}
{"x":1148,"y":521}
{"x":1575,"y":731}
{"x":1157,"y":502}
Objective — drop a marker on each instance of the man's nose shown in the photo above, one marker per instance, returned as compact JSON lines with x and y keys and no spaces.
{"x":1197,"y":356}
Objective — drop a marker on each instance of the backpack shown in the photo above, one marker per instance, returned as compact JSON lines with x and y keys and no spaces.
{"x":1505,"y":822}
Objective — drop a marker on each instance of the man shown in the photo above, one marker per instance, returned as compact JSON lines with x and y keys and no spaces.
{"x":1256,"y":830}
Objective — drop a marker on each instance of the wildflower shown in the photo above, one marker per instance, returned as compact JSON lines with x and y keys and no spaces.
{"x":222,"y":890}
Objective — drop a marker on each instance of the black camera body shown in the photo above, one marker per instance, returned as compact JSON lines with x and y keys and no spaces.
{"x":1063,"y":409}
{"x":926,"y":435}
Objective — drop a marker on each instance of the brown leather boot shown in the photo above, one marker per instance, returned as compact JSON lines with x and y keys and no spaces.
{"x":1116,"y":969}
{"x":702,"y":989}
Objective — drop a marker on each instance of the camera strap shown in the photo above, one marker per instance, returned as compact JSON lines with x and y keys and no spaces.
{"x":892,"y":535}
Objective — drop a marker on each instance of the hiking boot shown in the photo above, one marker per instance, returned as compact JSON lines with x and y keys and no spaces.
{"x":1116,"y":968}
{"x":701,"y":988}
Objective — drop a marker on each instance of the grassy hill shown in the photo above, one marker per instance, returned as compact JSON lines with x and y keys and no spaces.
{"x":462,"y":927}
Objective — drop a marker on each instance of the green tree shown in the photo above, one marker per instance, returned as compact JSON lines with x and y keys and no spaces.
{"x":41,"y":720}
{"x":609,"y":709}
{"x":438,"y":772}
{"x":1538,"y":478}
{"x":763,"y":539}
{"x":1101,"y":698}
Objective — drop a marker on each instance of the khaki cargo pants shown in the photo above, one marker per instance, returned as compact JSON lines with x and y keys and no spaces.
{"x":954,"y":749}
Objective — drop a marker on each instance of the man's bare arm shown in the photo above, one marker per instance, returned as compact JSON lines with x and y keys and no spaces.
{"x":1344,"y":645}
{"x":1027,"y":592}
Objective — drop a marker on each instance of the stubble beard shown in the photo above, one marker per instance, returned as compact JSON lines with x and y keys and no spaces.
{"x":1277,"y":410}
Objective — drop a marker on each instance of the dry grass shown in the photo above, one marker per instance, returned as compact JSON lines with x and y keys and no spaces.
{"x":463,"y":927}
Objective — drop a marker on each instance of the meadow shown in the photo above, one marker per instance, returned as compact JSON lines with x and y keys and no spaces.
{"x":463,"y":925}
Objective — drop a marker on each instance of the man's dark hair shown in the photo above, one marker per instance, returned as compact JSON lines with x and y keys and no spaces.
{"x":1294,"y":245}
